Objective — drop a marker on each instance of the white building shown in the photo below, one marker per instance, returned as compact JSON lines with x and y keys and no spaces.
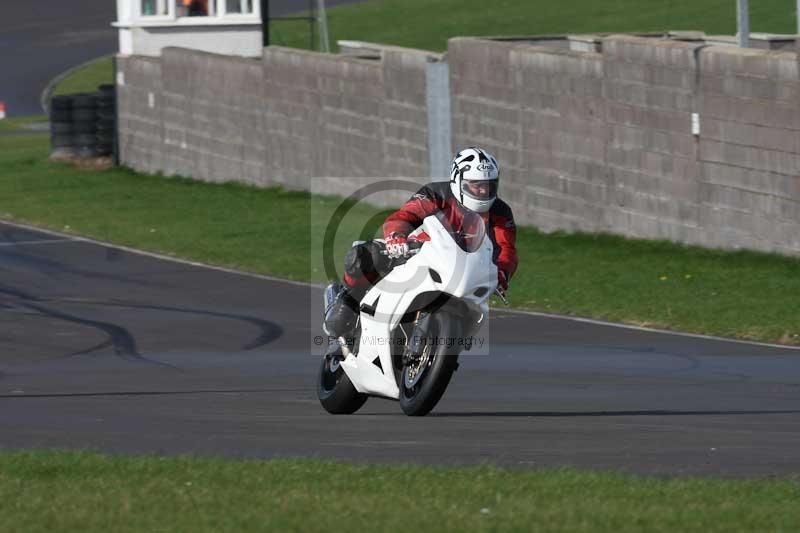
{"x":230,"y":27}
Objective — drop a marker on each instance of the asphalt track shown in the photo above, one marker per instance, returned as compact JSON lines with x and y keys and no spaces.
{"x":40,"y":40}
{"x":106,"y":349}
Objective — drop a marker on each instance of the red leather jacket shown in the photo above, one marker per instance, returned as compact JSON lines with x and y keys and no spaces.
{"x":437,"y":196}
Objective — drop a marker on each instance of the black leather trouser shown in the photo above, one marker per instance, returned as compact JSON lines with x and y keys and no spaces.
{"x":364,"y":265}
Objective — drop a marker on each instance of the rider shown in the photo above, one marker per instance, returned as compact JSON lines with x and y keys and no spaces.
{"x":473,"y":185}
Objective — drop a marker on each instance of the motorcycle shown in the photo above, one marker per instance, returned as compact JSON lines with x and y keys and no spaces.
{"x":414,"y":323}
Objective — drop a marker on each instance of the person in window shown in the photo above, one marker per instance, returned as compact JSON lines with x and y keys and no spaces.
{"x":198,"y":8}
{"x":472,"y":189}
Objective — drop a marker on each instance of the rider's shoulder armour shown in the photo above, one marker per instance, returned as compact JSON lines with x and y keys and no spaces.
{"x":438,"y":191}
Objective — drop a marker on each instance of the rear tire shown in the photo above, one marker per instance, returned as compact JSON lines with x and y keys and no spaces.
{"x":335,"y":391}
{"x":420,"y":399}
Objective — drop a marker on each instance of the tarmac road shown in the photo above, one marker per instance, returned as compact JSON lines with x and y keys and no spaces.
{"x":41,"y":39}
{"x":107,"y":349}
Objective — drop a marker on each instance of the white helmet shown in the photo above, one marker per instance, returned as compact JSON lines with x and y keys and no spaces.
{"x":474,"y":179}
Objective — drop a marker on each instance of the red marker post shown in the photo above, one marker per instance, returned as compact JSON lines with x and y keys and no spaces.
{"x":2,"y":110}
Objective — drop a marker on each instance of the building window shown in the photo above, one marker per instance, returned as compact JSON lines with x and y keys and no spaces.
{"x":195,"y":8}
{"x":154,"y":8}
{"x":239,"y":6}
{"x":176,"y":9}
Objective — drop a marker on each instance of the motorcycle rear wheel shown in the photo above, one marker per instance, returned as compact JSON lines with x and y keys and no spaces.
{"x":335,"y":391}
{"x":439,"y":364}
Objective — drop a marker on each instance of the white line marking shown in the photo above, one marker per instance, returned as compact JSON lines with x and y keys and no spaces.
{"x":319,"y":286}
{"x":31,"y":243}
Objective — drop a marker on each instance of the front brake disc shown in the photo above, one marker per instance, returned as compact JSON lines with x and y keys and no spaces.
{"x":413,"y":372}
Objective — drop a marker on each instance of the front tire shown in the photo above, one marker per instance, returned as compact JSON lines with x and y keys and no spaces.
{"x":335,"y":391}
{"x":419,"y":398}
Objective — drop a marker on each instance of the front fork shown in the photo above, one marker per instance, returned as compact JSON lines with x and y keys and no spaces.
{"x":418,"y":338}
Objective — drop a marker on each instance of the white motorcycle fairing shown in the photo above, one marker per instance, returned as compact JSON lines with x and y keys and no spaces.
{"x":460,"y":274}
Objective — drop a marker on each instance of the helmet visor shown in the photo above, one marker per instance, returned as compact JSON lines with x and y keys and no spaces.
{"x":479,"y":189}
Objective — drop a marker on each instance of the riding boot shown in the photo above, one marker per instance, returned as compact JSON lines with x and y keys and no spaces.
{"x":341,"y":313}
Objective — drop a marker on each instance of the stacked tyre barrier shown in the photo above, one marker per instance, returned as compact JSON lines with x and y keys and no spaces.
{"x":106,"y":116}
{"x":61,"y":132}
{"x":83,"y":125}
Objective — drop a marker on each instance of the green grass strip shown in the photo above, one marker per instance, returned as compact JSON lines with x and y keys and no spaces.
{"x":74,"y":491}
{"x":17,"y":125}
{"x":427,"y":25}
{"x":273,"y":231}
{"x":87,"y":78}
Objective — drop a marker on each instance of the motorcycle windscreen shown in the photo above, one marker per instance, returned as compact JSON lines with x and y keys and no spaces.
{"x":468,"y":230}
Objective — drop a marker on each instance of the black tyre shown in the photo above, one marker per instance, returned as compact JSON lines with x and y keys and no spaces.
{"x":61,"y":102}
{"x":105,"y":138}
{"x":62,"y":152}
{"x":85,"y":139}
{"x":84,"y":115}
{"x":85,"y":127}
{"x":57,"y":128}
{"x":84,"y":101}
{"x":86,"y":151}
{"x":335,"y":391}
{"x":62,"y":141}
{"x":105,"y":123}
{"x":423,"y":384}
{"x":60,"y":115}
{"x":105,"y":149}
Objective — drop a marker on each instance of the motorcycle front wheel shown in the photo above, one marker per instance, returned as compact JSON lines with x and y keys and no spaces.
{"x":335,"y":391}
{"x":423,"y":382}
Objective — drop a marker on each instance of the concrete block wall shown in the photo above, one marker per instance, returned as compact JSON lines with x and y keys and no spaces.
{"x":595,"y":140}
{"x":749,"y":149}
{"x":294,"y":118}
{"x":322,"y":114}
{"x":139,"y":120}
{"x":649,"y":88}
{"x":210,"y":109}
{"x":603,"y":141}
{"x":540,"y":110}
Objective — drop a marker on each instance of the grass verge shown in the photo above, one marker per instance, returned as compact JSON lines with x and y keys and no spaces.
{"x":71,"y":491}
{"x":14,"y":125}
{"x":735,"y":294}
{"x":427,"y":25}
{"x":87,"y":78}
